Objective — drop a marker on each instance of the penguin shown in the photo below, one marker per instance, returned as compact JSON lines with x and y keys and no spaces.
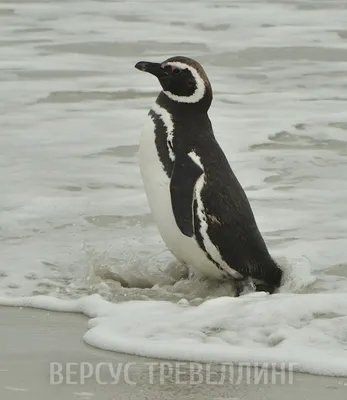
{"x":201,"y":210}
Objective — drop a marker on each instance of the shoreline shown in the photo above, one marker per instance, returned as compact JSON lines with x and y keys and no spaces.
{"x":43,"y":356}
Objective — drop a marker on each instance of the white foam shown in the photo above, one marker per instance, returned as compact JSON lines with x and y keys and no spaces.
{"x":84,"y":394}
{"x":15,"y":389}
{"x":306,"y":331}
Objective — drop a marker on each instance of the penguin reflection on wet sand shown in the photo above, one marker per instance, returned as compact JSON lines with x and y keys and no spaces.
{"x":199,"y":206}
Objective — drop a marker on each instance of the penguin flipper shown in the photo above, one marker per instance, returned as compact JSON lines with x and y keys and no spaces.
{"x":185,"y":173}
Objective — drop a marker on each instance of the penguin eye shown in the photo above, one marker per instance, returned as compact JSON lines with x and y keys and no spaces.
{"x":176,"y":71}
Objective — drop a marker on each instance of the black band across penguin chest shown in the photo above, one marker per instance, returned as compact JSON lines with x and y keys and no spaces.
{"x":161,"y":142}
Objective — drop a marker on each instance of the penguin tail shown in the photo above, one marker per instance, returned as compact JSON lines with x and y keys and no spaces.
{"x":271,"y":279}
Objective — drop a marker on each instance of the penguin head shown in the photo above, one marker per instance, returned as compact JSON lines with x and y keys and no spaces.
{"x":183,"y":79}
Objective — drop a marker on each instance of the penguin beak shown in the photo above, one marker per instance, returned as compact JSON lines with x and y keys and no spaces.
{"x":152,"y":68}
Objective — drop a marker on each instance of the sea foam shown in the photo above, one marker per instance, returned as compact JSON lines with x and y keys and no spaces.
{"x":306,"y":331}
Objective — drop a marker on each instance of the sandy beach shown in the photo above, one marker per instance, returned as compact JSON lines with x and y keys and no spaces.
{"x":43,"y":356}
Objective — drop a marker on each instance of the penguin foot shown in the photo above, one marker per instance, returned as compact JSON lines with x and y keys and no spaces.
{"x":263,"y":287}
{"x":247,"y":285}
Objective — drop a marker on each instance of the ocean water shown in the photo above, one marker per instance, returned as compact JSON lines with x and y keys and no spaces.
{"x":75,"y":226}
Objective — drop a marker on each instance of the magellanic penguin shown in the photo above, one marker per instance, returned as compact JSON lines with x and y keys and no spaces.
{"x":199,"y":206}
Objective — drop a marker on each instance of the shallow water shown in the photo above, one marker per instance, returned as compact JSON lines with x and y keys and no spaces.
{"x":72,"y":106}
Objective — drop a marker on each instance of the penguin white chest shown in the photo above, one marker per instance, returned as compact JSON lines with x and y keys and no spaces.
{"x":156,"y":182}
{"x":157,"y":188}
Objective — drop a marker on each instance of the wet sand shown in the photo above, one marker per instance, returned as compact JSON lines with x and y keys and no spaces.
{"x":43,"y":356}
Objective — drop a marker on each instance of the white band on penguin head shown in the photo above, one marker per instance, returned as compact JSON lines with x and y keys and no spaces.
{"x":200,"y":85}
